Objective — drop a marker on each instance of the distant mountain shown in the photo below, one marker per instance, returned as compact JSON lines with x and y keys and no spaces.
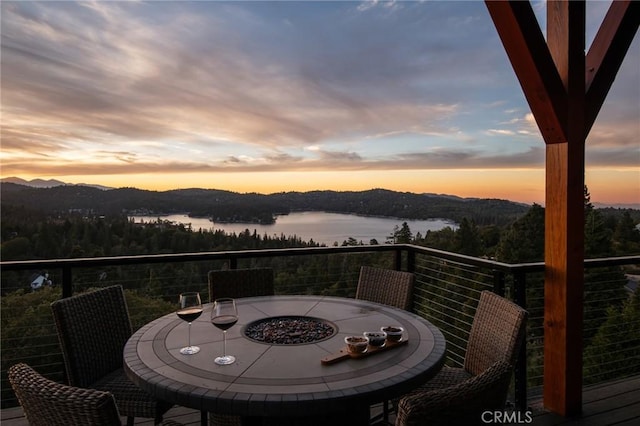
{"x":49,"y":183}
{"x":634,"y":206}
{"x":35,"y":183}
{"x":226,"y":206}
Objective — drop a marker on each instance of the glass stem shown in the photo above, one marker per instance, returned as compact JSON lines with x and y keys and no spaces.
{"x":224,"y":343}
{"x":189,"y":334}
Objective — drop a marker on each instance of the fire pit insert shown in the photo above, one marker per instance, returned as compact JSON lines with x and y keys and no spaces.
{"x":290,"y":330}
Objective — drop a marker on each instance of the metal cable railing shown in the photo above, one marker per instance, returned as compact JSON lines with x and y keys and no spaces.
{"x":447,"y":289}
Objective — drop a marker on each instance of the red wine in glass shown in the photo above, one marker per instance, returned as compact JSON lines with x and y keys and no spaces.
{"x":189,"y":315}
{"x":224,"y":315}
{"x":224,"y":322}
{"x":190,"y":309}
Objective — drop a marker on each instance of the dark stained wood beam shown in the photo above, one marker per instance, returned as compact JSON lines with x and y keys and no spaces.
{"x":607,"y":53}
{"x":527,"y":50}
{"x":564,"y":218}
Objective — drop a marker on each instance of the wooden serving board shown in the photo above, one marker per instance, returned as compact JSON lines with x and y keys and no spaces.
{"x":371,"y":350}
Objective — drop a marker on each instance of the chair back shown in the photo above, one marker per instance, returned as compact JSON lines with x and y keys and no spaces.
{"x":47,"y":403}
{"x":92,"y":328}
{"x":236,"y":283}
{"x":386,"y":286}
{"x":497,"y":331}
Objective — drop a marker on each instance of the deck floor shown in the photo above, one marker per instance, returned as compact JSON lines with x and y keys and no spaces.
{"x":611,"y":403}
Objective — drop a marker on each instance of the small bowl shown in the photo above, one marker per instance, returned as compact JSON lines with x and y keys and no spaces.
{"x":376,"y":338}
{"x":356,"y":344}
{"x":394,"y":333}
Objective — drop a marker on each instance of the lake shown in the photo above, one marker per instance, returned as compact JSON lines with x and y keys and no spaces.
{"x":322,"y":227}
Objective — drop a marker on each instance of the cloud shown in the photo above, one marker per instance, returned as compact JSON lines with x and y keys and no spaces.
{"x":386,"y":4}
{"x":340,"y":156}
{"x":125,"y":87}
{"x":118,"y":68}
{"x":503,"y":132}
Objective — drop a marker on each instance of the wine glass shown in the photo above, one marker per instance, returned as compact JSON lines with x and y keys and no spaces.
{"x":190,"y":309}
{"x":224,"y":315}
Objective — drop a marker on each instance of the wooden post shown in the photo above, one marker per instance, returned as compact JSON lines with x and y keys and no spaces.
{"x":564,"y":95}
{"x":564,"y":218}
{"x":564,"y":282}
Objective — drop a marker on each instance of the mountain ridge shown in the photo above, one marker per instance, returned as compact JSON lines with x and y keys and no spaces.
{"x":47,"y":183}
{"x":228,"y":206}
{"x":265,"y":204}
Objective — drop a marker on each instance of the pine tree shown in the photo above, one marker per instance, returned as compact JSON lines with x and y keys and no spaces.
{"x":468,"y":238}
{"x":524,"y":239}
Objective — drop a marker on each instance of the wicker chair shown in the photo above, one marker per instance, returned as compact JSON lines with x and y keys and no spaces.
{"x":494,"y":342}
{"x":47,"y":403}
{"x":237,"y":283}
{"x":93,"y":328}
{"x":393,"y":288}
{"x":460,"y":404}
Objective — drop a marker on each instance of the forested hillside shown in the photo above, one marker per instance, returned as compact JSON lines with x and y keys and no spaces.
{"x":79,"y":221}
{"x":225,"y":206}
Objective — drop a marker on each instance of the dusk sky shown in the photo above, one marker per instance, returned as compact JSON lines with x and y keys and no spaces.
{"x":270,"y":96}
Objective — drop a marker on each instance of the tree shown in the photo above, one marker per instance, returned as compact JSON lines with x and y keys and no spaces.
{"x":401,"y":235}
{"x":18,"y":248}
{"x":524,"y":239}
{"x":351,"y":242}
{"x":468,"y":238}
{"x":443,"y":239}
{"x":626,"y":236}
{"x":615,"y":343}
{"x":597,"y":237}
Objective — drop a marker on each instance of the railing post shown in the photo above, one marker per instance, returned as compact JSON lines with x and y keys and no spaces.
{"x":520,"y":297}
{"x":498,"y":282}
{"x":67,"y":286}
{"x":411,"y":260}
{"x":398,"y":260}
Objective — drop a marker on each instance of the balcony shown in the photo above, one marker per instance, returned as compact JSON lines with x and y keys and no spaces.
{"x":447,"y":287}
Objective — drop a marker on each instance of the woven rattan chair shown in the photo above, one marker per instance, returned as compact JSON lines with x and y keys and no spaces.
{"x":460,"y":404}
{"x":237,"y":283}
{"x":93,"y":328}
{"x":393,"y":288}
{"x":496,"y":335}
{"x":47,"y":403}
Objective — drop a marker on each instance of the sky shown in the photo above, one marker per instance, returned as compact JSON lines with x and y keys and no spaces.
{"x":268,"y":96}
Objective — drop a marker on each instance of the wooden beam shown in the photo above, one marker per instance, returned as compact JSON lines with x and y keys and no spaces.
{"x":564,"y":218}
{"x":607,"y":53}
{"x":562,"y":390}
{"x":565,"y":92}
{"x":527,"y":50}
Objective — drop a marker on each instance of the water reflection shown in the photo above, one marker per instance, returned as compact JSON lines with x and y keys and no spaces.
{"x":322,"y":227}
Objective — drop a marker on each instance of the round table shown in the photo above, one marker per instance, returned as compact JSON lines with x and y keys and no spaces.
{"x":283,"y":380}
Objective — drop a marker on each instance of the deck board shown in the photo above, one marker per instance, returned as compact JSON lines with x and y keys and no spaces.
{"x":612,"y":403}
